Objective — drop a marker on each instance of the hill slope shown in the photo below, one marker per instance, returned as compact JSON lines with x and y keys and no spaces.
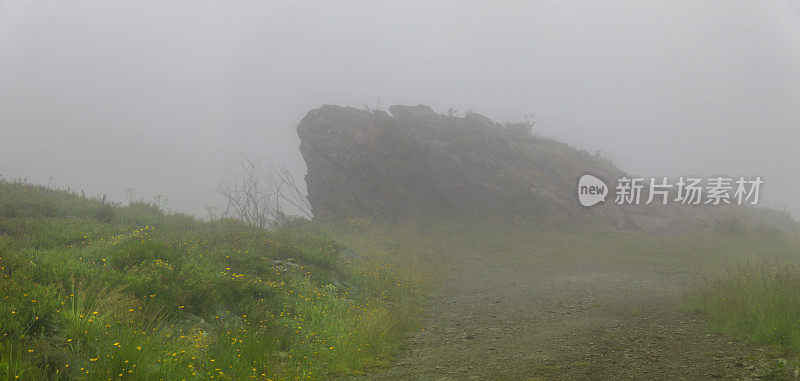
{"x":91,"y":289}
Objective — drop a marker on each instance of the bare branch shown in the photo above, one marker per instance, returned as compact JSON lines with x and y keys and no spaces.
{"x":260,"y":193}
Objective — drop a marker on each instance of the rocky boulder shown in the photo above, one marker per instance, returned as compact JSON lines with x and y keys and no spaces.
{"x":413,"y":161}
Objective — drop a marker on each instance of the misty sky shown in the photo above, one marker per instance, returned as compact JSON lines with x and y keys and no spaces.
{"x":164,"y":96}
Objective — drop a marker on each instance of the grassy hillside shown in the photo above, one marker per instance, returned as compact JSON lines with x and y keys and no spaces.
{"x":95,"y":290}
{"x":91,"y":289}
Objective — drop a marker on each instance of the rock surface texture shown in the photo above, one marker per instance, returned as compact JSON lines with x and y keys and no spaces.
{"x":413,"y":161}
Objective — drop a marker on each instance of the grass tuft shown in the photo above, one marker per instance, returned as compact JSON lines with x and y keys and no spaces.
{"x":758,"y":301}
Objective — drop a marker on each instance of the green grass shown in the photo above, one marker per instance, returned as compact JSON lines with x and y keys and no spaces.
{"x":758,"y":301}
{"x":496,"y":241}
{"x":96,"y":290}
{"x":91,"y":289}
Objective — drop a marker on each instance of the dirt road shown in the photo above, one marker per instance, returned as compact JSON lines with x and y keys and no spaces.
{"x":589,"y":321}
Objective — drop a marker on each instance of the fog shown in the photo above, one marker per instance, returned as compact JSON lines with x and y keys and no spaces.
{"x":165,"y":97}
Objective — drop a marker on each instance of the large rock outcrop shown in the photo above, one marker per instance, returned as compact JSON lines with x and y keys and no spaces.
{"x":416,"y":161}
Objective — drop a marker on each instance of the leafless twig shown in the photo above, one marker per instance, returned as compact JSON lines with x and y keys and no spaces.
{"x":257,"y":196}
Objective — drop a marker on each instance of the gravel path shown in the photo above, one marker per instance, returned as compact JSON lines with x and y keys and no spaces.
{"x":588,"y":321}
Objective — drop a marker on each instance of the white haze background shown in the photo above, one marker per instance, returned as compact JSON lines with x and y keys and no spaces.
{"x":163,"y":96}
